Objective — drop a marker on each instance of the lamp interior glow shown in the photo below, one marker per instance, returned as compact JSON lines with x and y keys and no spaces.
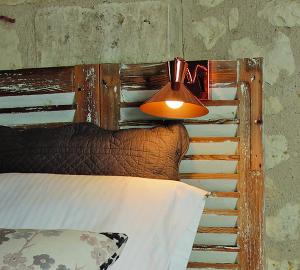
{"x":174,"y":104}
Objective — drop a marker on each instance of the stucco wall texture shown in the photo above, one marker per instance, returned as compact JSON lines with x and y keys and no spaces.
{"x":68,"y":32}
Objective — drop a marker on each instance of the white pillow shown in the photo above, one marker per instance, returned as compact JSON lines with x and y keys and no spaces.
{"x":160,"y":217}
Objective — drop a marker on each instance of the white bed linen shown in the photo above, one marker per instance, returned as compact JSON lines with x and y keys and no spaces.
{"x":160,"y":217}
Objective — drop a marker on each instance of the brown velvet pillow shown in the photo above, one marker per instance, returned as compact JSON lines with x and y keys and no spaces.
{"x":86,"y":149}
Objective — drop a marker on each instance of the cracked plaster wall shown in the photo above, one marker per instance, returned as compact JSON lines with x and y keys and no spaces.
{"x":56,"y":33}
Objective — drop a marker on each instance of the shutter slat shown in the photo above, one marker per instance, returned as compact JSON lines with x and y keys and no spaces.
{"x":200,"y":265}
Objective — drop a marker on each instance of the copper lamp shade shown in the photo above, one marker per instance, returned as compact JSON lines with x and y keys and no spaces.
{"x":174,"y":100}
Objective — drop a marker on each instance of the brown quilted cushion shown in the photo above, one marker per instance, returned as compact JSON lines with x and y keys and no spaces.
{"x":86,"y":149}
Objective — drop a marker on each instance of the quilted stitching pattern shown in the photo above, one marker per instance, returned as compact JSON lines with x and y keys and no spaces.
{"x":86,"y":149}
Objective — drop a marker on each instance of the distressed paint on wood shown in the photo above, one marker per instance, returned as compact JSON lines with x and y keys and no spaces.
{"x":144,"y":76}
{"x":244,"y":134}
{"x":38,"y":109}
{"x":211,"y":157}
{"x":209,"y":175}
{"x":209,"y":266}
{"x":251,"y":220}
{"x":36,"y":81}
{"x":223,"y":73}
{"x":87,"y":94}
{"x":110,"y":96}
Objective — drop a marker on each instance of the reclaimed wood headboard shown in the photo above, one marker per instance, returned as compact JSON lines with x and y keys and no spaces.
{"x":225,"y":154}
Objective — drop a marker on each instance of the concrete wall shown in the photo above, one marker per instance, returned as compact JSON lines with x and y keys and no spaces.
{"x":57,"y":33}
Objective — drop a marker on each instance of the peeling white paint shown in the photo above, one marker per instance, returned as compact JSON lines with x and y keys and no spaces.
{"x":210,"y":30}
{"x":30,"y":88}
{"x":285,"y":225}
{"x":272,"y":105}
{"x":282,"y":265}
{"x":276,"y":150}
{"x":209,"y":3}
{"x":9,"y":53}
{"x":282,"y":13}
{"x":233,"y":19}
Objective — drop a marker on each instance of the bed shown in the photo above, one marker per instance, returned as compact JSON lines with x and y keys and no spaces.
{"x":224,"y":157}
{"x":79,"y":182}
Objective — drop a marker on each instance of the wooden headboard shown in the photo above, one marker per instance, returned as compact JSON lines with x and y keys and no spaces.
{"x":225,"y":154}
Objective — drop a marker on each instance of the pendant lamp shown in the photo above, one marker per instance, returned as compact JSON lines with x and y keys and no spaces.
{"x":174,"y":100}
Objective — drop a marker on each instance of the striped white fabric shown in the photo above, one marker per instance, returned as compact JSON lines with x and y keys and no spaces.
{"x":160,"y":217}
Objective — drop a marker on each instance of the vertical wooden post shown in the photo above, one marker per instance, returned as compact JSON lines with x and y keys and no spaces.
{"x":110,"y":85}
{"x":244,"y":167}
{"x":250,"y":73}
{"x":86,"y":84}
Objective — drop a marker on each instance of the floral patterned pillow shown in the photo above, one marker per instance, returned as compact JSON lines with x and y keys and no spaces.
{"x":59,"y":249}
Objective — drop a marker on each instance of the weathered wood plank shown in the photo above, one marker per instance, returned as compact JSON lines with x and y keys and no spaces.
{"x":213,"y":139}
{"x":87,"y":94}
{"x":110,"y":96}
{"x":144,"y":76}
{"x":209,"y":176}
{"x":36,"y":81}
{"x":213,"y":265}
{"x":39,"y":109}
{"x":223,"y":72}
{"x":251,"y":187}
{"x":138,"y":70}
{"x":190,"y":122}
{"x":211,"y":157}
{"x":222,"y":212}
{"x":229,"y":230}
{"x":215,"y":248}
{"x":43,"y":125}
{"x":220,"y":194}
{"x":244,"y":150}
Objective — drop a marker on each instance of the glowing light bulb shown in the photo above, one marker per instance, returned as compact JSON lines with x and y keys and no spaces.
{"x":174,"y":104}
